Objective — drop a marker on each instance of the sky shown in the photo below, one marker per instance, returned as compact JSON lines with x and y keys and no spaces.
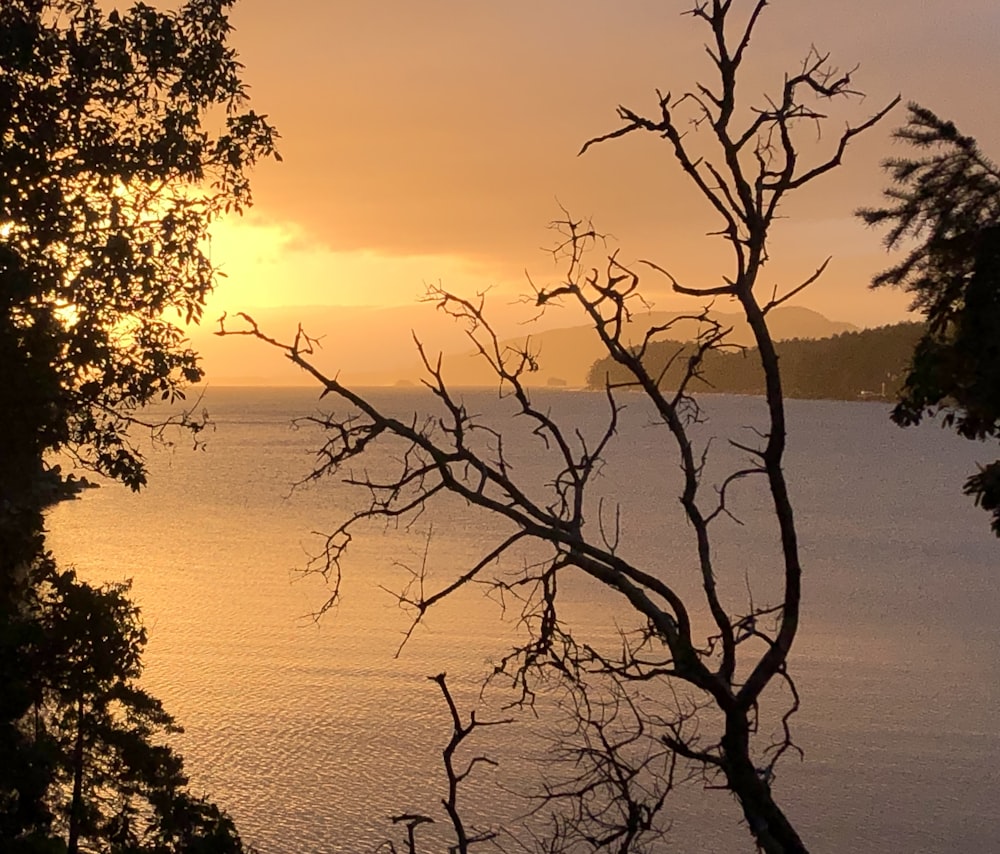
{"x":434,"y":141}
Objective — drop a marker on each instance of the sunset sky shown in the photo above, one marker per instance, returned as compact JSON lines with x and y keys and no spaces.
{"x":433,"y":141}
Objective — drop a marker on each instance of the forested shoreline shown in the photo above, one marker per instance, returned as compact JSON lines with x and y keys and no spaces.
{"x":868,"y":364}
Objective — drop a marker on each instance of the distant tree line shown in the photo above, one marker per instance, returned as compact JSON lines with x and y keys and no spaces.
{"x":847,"y":366}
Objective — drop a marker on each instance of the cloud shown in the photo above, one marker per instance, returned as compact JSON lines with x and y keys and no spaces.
{"x":432,"y":140}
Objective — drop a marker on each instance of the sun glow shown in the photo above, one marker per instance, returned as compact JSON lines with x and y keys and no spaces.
{"x":275,"y":264}
{"x":67,"y":313}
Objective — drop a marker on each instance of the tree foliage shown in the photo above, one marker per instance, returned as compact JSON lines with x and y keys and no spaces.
{"x":109,"y":179}
{"x":113,"y":783}
{"x":944,"y":208}
{"x":123,"y":136}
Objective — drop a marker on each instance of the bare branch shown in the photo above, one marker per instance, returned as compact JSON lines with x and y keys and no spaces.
{"x":775,"y":300}
{"x":665,"y":695}
{"x":463,"y":840}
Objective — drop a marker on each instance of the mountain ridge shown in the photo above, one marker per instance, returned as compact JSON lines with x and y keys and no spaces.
{"x":367,"y":345}
{"x":565,"y":354}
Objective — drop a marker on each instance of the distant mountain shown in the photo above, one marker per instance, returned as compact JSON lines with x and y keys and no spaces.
{"x":375,"y":345}
{"x":871,"y":363}
{"x":565,"y":355}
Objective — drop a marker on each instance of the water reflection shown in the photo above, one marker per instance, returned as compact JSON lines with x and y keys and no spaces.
{"x":312,"y":734}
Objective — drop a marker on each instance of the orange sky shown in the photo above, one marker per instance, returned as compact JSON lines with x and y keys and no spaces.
{"x":433,"y":140}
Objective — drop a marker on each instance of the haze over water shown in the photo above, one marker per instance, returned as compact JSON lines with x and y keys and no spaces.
{"x":311,"y":735}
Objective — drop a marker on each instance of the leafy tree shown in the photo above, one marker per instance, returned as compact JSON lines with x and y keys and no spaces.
{"x":123,"y":136}
{"x":701,"y":677}
{"x":117,"y":786}
{"x":944,"y":207}
{"x":110,"y":176}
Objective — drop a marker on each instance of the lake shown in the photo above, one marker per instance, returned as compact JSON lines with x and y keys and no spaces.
{"x":312,"y":733}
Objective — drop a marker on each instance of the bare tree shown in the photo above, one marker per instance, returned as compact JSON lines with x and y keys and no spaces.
{"x":465,"y":838}
{"x":707,"y":710}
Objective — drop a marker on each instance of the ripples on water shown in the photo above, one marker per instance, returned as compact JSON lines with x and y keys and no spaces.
{"x":312,"y":734}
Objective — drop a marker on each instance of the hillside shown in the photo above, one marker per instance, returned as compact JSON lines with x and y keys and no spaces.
{"x":847,"y":366}
{"x":375,"y":346}
{"x":565,"y":355}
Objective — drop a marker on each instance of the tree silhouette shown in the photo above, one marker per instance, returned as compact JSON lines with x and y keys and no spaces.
{"x":110,"y":176}
{"x":117,"y":785}
{"x":701,"y":676}
{"x":109,"y":180}
{"x":456,"y":773}
{"x":947,"y":201}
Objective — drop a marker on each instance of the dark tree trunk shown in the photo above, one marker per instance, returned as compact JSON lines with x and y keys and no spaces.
{"x":770,"y":827}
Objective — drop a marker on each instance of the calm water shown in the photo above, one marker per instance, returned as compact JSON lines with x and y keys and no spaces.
{"x":312,"y":734}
